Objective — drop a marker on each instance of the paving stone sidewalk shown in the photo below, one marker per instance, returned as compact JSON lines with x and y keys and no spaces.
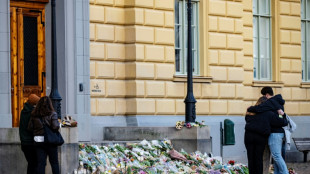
{"x":300,"y":168}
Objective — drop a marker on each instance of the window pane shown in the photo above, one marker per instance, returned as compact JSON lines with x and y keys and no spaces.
{"x":264,"y":7}
{"x":177,"y":60}
{"x":193,"y":14}
{"x":177,"y":13}
{"x":302,"y":9}
{"x":303,"y":31}
{"x":255,"y":67}
{"x":254,"y":3}
{"x":264,"y":65}
{"x":264,"y":41}
{"x":303,"y":51}
{"x":307,"y":33}
{"x":308,"y":9}
{"x":255,"y":27}
{"x":178,"y":36}
{"x":193,"y":37}
{"x":264,"y":27}
{"x":181,"y":39}
{"x":307,"y":48}
{"x":262,"y":45}
{"x":264,"y":48}
{"x":255,"y":36}
{"x":194,"y":54}
{"x":268,"y":71}
{"x":255,"y":46}
{"x":307,"y":71}
{"x":30,"y":51}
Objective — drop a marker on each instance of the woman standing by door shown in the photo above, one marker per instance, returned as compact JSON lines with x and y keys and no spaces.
{"x":44,"y":114}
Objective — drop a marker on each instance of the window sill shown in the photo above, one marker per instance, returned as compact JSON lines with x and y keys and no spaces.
{"x":196,"y":79}
{"x":305,"y":85}
{"x":267,"y":83}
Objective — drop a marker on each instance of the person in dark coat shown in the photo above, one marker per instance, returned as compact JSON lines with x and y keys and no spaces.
{"x":275,"y":140}
{"x":26,"y":137}
{"x":44,"y":113}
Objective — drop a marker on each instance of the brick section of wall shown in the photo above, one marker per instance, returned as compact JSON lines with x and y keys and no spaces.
{"x":132,"y":58}
{"x":290,"y":43}
{"x":225,"y":57}
{"x":247,"y":34}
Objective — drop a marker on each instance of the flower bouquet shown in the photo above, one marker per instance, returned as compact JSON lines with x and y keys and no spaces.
{"x":180,"y":124}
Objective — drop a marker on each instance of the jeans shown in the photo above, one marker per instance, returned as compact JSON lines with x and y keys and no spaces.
{"x":275,"y":144}
{"x":43,"y":151}
{"x":255,"y":145}
{"x":30,"y":154}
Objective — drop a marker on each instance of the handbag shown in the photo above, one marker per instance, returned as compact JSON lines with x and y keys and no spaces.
{"x":52,"y":137}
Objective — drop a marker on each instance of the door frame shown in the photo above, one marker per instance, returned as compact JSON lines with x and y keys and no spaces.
{"x":18,"y":10}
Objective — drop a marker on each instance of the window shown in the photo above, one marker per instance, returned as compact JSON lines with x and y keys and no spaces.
{"x":262,"y":39}
{"x":305,"y":39}
{"x":181,"y":37}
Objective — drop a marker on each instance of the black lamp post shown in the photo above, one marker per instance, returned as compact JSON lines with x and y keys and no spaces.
{"x":54,"y":95}
{"x":190,"y":101}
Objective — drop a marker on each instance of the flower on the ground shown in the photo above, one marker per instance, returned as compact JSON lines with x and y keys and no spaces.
{"x":231,"y":162}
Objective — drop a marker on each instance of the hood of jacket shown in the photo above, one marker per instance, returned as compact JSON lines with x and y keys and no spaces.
{"x":279,"y":99}
{"x":28,"y":108}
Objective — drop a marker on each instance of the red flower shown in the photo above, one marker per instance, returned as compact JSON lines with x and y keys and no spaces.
{"x":231,"y":162}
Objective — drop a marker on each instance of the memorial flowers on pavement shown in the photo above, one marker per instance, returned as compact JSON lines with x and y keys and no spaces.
{"x":150,"y":157}
{"x":180,"y":124}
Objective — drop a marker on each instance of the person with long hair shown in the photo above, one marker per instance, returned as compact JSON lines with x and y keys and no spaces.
{"x":44,"y":114}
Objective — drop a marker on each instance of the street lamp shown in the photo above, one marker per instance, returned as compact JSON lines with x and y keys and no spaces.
{"x":190,"y":101}
{"x":54,"y":95}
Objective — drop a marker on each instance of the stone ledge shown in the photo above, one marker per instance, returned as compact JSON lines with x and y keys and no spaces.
{"x":190,"y":140}
{"x":196,"y":79}
{"x":154,"y":133}
{"x":11,"y":135}
{"x":267,"y":83}
{"x":10,"y":149}
{"x":305,"y":85}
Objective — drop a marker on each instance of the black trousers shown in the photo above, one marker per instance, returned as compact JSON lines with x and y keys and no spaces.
{"x":30,"y":154}
{"x":255,"y":145}
{"x":43,"y":151}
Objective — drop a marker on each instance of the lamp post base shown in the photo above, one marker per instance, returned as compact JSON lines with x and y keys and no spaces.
{"x":190,"y":110}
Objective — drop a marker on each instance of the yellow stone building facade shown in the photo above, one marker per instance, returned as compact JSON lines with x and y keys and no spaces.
{"x":132,"y":58}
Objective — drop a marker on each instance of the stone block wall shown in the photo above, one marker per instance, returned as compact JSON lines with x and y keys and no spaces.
{"x":5,"y":72}
{"x":132,"y":58}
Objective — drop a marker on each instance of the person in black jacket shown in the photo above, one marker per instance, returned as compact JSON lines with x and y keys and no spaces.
{"x":275,"y":140}
{"x":26,"y":137}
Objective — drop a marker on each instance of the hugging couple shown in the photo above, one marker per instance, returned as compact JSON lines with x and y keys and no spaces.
{"x":267,"y":123}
